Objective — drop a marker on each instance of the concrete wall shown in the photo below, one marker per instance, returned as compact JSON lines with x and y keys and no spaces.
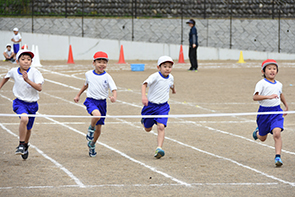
{"x":56,"y":47}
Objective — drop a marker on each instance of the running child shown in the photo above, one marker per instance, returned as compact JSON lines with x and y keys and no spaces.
{"x":27,"y":85}
{"x":268,"y":93}
{"x":98,"y":82}
{"x":156,"y":103}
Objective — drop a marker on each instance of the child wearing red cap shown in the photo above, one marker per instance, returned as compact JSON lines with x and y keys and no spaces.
{"x":268,"y":93}
{"x":27,"y":85}
{"x":97,"y":82}
{"x":156,"y":103}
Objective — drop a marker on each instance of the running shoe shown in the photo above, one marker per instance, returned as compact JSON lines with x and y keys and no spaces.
{"x":255,"y":134}
{"x":26,"y":153}
{"x":278,"y":162}
{"x":92,"y":152}
{"x":159,"y":153}
{"x":90,"y":133}
{"x":20,"y":150}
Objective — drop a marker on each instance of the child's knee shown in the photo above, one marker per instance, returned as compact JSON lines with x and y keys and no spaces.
{"x":276,"y":132}
{"x":96,"y":113}
{"x":161,"y":127}
{"x":24,"y":120}
{"x":148,"y":129}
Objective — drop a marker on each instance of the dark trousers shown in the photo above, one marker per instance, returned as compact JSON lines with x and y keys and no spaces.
{"x":192,"y":54}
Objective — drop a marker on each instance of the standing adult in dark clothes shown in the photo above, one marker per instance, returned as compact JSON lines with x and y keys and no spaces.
{"x":193,"y":45}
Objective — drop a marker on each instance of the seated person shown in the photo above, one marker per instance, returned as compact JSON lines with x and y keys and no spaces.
{"x":9,"y":54}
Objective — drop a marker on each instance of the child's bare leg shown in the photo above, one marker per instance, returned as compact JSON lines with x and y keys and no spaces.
{"x":94,"y":120}
{"x":161,"y":134}
{"x":278,"y":140}
{"x":97,"y":133}
{"x":23,"y":127}
{"x":28,"y":135}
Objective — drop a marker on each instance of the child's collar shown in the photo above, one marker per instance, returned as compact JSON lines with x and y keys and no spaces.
{"x":270,"y":81}
{"x":104,"y":72}
{"x":163,"y":76}
{"x":18,"y":70}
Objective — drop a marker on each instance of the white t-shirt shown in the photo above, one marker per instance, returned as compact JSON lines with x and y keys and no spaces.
{"x":159,"y":87}
{"x":16,"y":37}
{"x":8,"y":52}
{"x":98,"y":85}
{"x":266,"y":88}
{"x":21,"y":89}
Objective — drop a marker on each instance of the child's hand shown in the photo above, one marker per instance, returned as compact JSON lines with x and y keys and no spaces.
{"x":273,"y":96}
{"x":173,"y":91}
{"x":76,"y":99}
{"x":113,"y":99}
{"x":25,"y":75}
{"x":286,"y":109}
{"x":144,"y":101}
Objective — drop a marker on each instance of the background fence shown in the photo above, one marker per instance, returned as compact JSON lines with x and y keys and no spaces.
{"x":262,"y":25}
{"x":151,"y":8}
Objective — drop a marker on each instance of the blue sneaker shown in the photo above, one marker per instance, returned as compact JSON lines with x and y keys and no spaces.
{"x":159,"y":153}
{"x":92,"y":152}
{"x":255,"y":134}
{"x":278,"y":162}
{"x":90,"y":133}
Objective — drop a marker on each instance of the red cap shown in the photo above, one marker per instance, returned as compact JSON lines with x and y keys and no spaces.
{"x":268,"y":62}
{"x":100,"y":55}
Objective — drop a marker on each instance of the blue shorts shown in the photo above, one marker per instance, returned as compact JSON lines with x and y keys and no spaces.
{"x":20,"y":107}
{"x":93,"y":104}
{"x":266,"y":123}
{"x":155,"y":109}
{"x":16,"y":48}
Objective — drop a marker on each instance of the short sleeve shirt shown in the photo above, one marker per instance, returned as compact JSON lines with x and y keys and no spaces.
{"x":266,"y":88}
{"x":159,"y":87}
{"x":21,"y":89}
{"x":98,"y":85}
{"x":17,"y":37}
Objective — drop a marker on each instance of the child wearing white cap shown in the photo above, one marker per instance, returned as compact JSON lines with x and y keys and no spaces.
{"x":97,"y":82}
{"x":156,"y":103}
{"x":9,"y":54}
{"x":27,"y":85}
{"x":16,"y":39}
{"x":268,"y":93}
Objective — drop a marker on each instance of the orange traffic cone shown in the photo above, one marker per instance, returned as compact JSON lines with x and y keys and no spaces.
{"x":121,"y":58}
{"x":181,"y":58}
{"x":70,"y":58}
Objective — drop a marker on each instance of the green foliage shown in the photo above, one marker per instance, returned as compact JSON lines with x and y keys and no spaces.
{"x":15,"y":7}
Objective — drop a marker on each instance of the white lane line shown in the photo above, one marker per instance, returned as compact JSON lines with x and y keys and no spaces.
{"x":139,"y":185}
{"x":61,"y":167}
{"x":125,"y":155}
{"x":202,"y":151}
{"x":270,"y":176}
{"x":111,"y":148}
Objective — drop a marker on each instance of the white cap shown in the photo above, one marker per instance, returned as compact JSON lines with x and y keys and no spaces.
{"x":15,"y":29}
{"x":8,"y":45}
{"x":24,"y":51}
{"x":163,"y":59}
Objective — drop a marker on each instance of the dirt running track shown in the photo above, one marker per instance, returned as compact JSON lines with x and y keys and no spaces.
{"x":213,"y":156}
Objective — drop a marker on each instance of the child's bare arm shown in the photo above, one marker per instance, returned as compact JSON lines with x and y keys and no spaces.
{"x":257,"y":97}
{"x":284,"y":102}
{"x":173,"y":89}
{"x":144,"y":99}
{"x":3,"y":81}
{"x":36,"y":86}
{"x":77,"y":98}
{"x":113,"y":98}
